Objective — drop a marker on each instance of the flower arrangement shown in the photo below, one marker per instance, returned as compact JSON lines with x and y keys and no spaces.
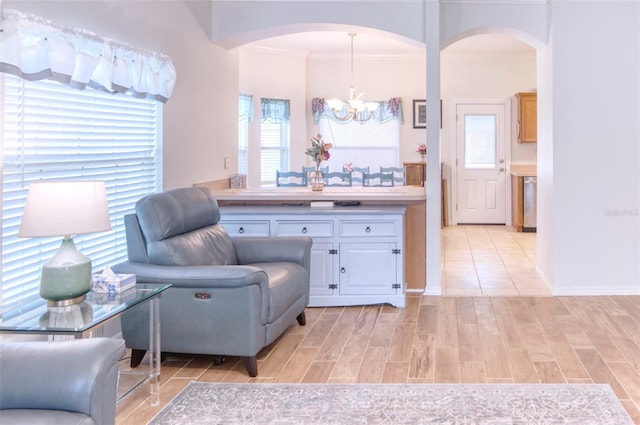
{"x":422,"y":150}
{"x":319,"y":150}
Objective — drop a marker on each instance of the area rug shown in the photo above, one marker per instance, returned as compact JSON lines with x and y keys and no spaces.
{"x":477,"y":404}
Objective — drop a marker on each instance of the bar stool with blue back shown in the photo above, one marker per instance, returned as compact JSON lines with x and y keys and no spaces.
{"x":378,"y":179}
{"x":336,"y":178}
{"x":356,"y":173}
{"x":399,"y":174}
{"x":290,"y":179}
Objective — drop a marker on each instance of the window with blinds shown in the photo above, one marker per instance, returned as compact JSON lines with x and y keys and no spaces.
{"x":373,"y":144}
{"x":243,"y":146}
{"x":245,"y":115}
{"x":274,"y":141}
{"x":53,"y":132}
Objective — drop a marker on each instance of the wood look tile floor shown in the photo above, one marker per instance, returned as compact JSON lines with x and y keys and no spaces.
{"x":475,"y":337}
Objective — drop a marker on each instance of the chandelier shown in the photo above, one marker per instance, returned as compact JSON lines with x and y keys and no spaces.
{"x":354,"y":108}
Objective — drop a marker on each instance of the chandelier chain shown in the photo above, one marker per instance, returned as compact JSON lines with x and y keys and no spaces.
{"x":353,"y":86}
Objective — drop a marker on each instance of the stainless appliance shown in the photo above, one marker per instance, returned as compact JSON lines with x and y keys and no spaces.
{"x":529,"y":200}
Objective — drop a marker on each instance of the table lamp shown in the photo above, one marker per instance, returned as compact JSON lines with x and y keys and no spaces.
{"x":65,"y":208}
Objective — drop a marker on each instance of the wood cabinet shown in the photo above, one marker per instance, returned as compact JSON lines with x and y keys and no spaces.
{"x":357,"y":256}
{"x":524,"y":202}
{"x":416,"y":173}
{"x":517,"y":211}
{"x":527,"y":104}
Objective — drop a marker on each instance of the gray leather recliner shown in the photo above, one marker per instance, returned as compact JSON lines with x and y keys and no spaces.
{"x":229,"y":296}
{"x":64,"y":382}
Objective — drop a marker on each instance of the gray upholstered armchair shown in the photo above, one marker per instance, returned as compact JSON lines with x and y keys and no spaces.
{"x":229,"y":296}
{"x":65,"y":382}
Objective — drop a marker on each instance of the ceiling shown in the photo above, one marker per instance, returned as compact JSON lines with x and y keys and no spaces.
{"x":328,"y":43}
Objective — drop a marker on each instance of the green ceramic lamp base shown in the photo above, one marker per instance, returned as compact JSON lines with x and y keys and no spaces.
{"x":66,"y":277}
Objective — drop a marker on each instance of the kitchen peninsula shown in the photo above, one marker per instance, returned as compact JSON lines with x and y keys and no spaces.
{"x":410,"y":199}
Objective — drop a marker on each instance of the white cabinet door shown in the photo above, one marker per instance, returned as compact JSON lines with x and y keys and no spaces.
{"x":322,"y":277}
{"x":368,"y":268}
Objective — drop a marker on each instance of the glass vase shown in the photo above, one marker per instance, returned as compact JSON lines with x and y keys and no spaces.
{"x":316,"y":180}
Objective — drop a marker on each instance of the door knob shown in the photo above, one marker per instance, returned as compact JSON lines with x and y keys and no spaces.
{"x":502,"y":169}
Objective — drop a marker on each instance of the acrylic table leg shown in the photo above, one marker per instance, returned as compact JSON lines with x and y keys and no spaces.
{"x":154,"y":350}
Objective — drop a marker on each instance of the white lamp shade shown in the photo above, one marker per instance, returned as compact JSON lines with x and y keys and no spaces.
{"x":65,"y":208}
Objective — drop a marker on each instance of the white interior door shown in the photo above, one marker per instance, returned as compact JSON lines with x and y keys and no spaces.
{"x":480,"y":164}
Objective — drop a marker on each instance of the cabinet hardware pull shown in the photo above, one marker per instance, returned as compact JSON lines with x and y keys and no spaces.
{"x":368,"y":229}
{"x":342,"y":270}
{"x":304,"y":230}
{"x":241,"y":230}
{"x":202,"y":296}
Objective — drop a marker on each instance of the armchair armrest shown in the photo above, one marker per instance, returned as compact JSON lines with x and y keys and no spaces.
{"x":269,"y":250}
{"x":231,"y":276}
{"x":83,"y":379}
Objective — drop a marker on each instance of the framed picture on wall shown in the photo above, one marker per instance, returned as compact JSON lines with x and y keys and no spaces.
{"x":419,"y":113}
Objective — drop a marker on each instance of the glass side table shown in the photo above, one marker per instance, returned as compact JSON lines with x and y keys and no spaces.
{"x":82,"y":320}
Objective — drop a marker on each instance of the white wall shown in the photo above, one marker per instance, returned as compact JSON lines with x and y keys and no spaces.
{"x":526,"y":19}
{"x":545,"y":233}
{"x":238,"y":22}
{"x":596,"y":185}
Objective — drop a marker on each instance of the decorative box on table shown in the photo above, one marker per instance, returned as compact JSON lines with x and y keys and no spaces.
{"x":110,"y":282}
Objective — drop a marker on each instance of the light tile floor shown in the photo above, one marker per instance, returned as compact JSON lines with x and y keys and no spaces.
{"x":490,"y":260}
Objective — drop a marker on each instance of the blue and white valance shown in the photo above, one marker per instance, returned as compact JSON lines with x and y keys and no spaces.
{"x":275,"y":110}
{"x":34,"y":48}
{"x":387,"y":110}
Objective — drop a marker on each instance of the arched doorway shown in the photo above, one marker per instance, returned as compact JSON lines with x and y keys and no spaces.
{"x":474,"y":75}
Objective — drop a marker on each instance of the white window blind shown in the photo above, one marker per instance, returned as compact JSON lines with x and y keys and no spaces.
{"x":52,"y":132}
{"x":245,"y":116}
{"x":274,"y":139}
{"x":373,"y":144}
{"x":243,"y":146}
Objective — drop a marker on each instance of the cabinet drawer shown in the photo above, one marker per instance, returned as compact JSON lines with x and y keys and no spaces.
{"x":304,"y":228}
{"x":246,"y":228}
{"x":368,"y":228}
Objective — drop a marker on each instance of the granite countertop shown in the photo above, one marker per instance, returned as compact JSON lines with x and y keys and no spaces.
{"x":355,"y":193}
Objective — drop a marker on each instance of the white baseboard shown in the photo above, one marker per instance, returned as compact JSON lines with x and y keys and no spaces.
{"x":432,"y":291}
{"x":597,"y":290}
